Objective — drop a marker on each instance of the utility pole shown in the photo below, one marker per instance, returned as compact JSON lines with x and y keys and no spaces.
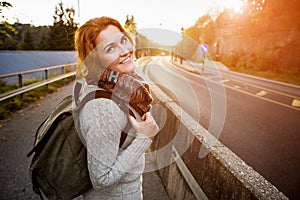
{"x":181,"y":56}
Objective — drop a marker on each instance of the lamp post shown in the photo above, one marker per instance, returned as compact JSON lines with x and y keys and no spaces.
{"x":181,"y":56}
{"x":78,"y":5}
{"x":136,"y":45}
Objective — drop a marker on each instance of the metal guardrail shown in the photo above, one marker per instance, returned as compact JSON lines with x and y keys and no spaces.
{"x":47,"y":80}
{"x":188,"y":176}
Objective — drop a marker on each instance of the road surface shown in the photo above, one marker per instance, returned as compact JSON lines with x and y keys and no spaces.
{"x":257,"y":119}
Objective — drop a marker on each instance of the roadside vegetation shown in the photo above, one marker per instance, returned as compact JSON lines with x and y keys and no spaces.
{"x":262,"y":67}
{"x":287,"y":77}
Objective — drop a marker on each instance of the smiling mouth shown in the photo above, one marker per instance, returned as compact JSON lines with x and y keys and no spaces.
{"x":127,"y":60}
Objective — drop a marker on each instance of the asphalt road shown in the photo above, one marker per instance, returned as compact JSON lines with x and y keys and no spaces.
{"x":255,"y":118}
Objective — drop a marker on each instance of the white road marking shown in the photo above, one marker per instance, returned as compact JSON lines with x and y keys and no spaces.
{"x":296,"y":103}
{"x":261,"y":93}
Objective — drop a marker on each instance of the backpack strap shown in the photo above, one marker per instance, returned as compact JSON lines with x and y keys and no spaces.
{"x":77,"y":89}
{"x":92,"y":95}
{"x":35,"y":185}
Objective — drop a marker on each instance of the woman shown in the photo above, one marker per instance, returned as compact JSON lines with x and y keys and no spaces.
{"x":106,"y":63}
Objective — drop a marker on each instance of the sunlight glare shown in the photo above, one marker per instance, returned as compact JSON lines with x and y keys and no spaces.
{"x":235,"y":5}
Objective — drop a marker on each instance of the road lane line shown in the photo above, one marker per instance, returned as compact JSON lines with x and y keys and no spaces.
{"x":296,"y":103}
{"x":225,"y":81}
{"x":264,"y":98}
{"x":261,"y":93}
{"x":248,"y":93}
{"x":263,"y":88}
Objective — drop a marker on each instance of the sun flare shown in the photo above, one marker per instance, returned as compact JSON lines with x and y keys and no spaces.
{"x":235,"y":5}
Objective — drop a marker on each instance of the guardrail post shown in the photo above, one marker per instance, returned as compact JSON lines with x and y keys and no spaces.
{"x":46,"y":77}
{"x":62,"y":69}
{"x":62,"y":72}
{"x":20,"y":80}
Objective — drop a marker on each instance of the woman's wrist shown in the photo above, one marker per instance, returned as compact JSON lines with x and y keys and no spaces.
{"x":140,"y":144}
{"x":142,"y":136}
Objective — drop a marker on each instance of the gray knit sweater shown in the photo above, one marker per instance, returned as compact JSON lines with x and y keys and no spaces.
{"x":114,"y":172}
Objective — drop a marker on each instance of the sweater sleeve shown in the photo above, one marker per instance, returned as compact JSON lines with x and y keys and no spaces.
{"x":102,"y":122}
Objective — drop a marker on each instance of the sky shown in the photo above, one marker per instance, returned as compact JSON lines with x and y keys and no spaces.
{"x":163,"y":14}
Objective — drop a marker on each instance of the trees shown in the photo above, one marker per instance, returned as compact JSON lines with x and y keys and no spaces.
{"x":6,"y":29}
{"x":28,"y":41}
{"x":203,"y":31}
{"x":20,"y":36}
{"x":204,"y":28}
{"x":61,"y":35}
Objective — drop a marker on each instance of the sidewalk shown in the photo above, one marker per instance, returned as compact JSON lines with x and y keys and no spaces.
{"x":17,"y":136}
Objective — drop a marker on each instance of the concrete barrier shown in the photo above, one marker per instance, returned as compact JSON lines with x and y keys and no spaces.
{"x":195,"y":165}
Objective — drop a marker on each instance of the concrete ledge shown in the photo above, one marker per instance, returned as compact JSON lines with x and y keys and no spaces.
{"x":215,"y":169}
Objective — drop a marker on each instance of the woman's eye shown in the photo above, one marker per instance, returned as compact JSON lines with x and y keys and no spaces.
{"x":124,"y":40}
{"x":109,"y":49}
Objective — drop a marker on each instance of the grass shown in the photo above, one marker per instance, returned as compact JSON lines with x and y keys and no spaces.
{"x":9,"y":106}
{"x":286,"y":77}
{"x":260,"y":66}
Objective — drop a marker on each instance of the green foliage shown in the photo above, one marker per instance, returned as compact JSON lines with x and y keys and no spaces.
{"x":7,"y":108}
{"x":28,"y":41}
{"x":4,"y":87}
{"x":10,"y":43}
{"x":203,"y":30}
{"x":42,"y":44}
{"x":60,"y":36}
{"x":259,"y":64}
{"x":6,"y":29}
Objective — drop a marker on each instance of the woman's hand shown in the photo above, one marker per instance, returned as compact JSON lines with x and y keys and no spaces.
{"x":147,"y":126}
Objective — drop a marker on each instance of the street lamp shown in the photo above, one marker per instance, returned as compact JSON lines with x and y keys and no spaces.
{"x":136,"y":45}
{"x":181,"y":57}
{"x":78,"y":5}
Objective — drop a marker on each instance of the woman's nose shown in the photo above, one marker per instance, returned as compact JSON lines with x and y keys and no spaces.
{"x":124,"y":50}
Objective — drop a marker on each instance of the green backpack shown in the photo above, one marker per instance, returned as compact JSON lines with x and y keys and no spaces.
{"x":59,"y":166}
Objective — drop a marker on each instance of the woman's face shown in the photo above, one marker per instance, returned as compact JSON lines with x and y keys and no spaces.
{"x":115,"y":50}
